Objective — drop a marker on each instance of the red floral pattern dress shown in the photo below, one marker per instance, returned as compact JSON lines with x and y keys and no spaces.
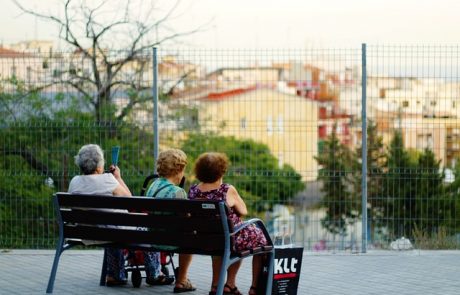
{"x":249,"y":237}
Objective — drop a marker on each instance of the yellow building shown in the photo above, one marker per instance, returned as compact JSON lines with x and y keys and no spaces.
{"x":441,"y":135}
{"x":287,"y":124}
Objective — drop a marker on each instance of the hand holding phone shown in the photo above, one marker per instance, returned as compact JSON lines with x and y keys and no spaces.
{"x":114,"y":166}
{"x":115,"y":171}
{"x":115,"y":153}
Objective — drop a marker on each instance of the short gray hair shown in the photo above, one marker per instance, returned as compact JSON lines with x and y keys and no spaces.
{"x":89,"y":157}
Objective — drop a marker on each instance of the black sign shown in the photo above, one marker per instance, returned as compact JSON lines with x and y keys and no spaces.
{"x":286,"y":273}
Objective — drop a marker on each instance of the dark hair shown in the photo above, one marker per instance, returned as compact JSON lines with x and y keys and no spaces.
{"x":209,"y":167}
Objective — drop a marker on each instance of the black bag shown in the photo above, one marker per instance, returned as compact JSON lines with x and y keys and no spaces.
{"x":286,"y":273}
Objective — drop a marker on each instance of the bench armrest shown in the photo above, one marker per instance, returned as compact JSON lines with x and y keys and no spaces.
{"x":260,"y":224}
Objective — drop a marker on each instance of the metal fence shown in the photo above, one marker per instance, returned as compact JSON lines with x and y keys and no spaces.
{"x":291,"y":122}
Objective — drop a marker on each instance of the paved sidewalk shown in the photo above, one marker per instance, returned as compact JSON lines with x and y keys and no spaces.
{"x":379,"y":272}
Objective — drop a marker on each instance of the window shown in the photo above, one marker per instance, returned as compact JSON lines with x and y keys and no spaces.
{"x":280,"y":160}
{"x":280,"y":124}
{"x":429,"y":141}
{"x":339,"y":129}
{"x":424,"y":141}
{"x":269,"y":125}
{"x":405,"y":104}
{"x":29,"y":74}
{"x":243,"y":123}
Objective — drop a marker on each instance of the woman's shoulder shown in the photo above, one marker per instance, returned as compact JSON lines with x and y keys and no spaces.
{"x":108,"y":176}
{"x":227,"y":187}
{"x":193,"y":191}
{"x":105,"y":177}
{"x":163,"y":188}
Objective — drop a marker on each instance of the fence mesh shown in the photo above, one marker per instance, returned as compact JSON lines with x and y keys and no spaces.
{"x":289,"y":120}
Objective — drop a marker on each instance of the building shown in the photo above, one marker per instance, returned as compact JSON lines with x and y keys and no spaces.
{"x":243,"y":77}
{"x":441,"y":135}
{"x":287,"y":124}
{"x":34,"y":46}
{"x":25,"y":67}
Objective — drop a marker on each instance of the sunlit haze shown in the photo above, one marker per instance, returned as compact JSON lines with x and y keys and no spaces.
{"x":279,"y":24}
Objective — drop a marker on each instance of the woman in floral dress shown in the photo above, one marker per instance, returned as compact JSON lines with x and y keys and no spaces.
{"x":210,"y":169}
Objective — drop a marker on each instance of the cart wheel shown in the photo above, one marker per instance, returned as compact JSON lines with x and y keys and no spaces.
{"x":136,"y":278}
{"x":165,"y":270}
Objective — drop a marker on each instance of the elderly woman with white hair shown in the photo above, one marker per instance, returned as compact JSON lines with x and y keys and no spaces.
{"x":93,"y":180}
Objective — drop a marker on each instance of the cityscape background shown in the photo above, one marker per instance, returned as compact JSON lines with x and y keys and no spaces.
{"x":291,"y":120}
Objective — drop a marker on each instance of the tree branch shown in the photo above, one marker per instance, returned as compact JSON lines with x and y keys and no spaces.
{"x":30,"y":159}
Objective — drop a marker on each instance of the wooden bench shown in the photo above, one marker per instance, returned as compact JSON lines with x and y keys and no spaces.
{"x":179,"y":226}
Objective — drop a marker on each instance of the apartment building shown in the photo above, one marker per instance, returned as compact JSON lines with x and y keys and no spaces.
{"x":287,"y":124}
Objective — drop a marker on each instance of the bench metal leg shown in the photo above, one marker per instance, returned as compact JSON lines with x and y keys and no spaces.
{"x":271,"y":262}
{"x":50,"y":287}
{"x":223,"y":274}
{"x":104,"y":269}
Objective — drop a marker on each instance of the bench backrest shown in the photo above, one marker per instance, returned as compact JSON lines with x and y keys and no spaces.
{"x":191,"y":226}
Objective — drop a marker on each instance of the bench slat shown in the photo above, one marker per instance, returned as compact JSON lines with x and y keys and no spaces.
{"x":127,"y":236}
{"x":183,"y":223}
{"x":139,"y":204}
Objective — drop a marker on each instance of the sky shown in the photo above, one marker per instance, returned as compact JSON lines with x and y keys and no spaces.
{"x":280,"y":24}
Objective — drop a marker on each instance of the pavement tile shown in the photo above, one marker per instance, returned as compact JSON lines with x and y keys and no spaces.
{"x":376,"y":272}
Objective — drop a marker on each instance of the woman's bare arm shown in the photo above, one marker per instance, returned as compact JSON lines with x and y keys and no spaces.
{"x":234,"y":200}
{"x":122,"y":189}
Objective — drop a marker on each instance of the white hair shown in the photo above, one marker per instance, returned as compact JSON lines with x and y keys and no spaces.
{"x":89,"y":158}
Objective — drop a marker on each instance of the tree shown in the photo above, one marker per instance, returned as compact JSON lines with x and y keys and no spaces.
{"x":415,"y":195}
{"x":336,"y":166}
{"x":254,"y":171}
{"x":109,"y":42}
{"x":453,"y":192}
{"x":397,"y":188}
{"x":432,"y":206}
{"x":18,"y":101}
{"x":36,"y":161}
{"x":375,"y":163}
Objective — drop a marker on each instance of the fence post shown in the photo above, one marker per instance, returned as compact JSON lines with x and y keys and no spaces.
{"x":364,"y":149}
{"x":156,"y":136}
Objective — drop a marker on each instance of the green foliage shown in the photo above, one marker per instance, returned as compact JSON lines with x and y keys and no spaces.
{"x":432,"y":204}
{"x":440,"y":239}
{"x":398,"y":184}
{"x":415,"y":196}
{"x":453,"y":194}
{"x":40,"y":147}
{"x":25,"y":206}
{"x":17,"y":101}
{"x":375,"y":168}
{"x":336,"y":166}
{"x":253,"y":170}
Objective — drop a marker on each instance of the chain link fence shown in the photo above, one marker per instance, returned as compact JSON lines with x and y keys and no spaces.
{"x":290,"y":121}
